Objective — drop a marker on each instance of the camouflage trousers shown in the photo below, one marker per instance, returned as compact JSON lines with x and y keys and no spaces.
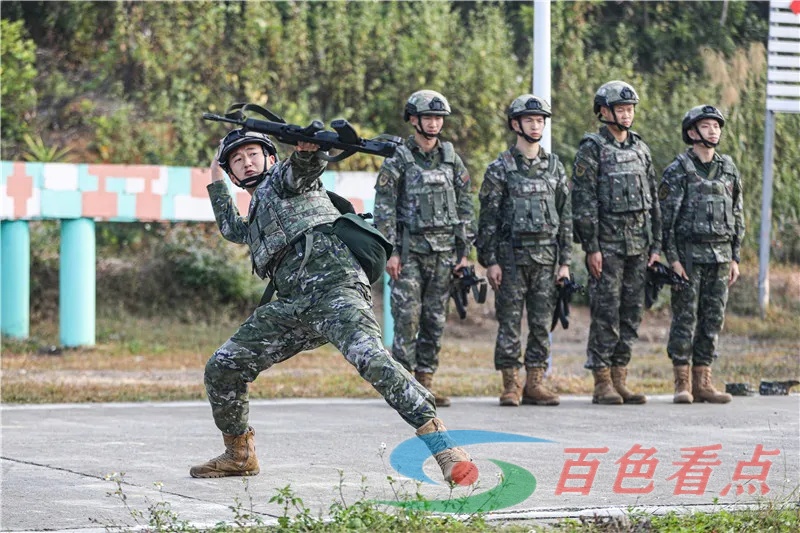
{"x":698,"y":313}
{"x":419,"y":309}
{"x":616,"y":302}
{"x":531,"y":287}
{"x":341,"y":315}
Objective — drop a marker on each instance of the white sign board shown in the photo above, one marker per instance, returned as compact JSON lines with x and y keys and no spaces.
{"x":783,"y":59}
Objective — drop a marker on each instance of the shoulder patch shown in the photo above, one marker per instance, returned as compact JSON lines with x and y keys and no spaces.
{"x":580,"y":169}
{"x":663,"y":191}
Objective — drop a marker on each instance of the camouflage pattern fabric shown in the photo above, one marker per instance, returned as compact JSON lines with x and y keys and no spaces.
{"x":494,"y":234}
{"x":684,"y":199}
{"x":615,"y":212}
{"x":420,"y":294}
{"x":393,"y":205}
{"x":698,"y":313}
{"x":612,"y":215}
{"x":323,"y":296}
{"x":528,"y":266}
{"x":704,"y":241}
{"x":419,"y":309}
{"x":533,"y":287}
{"x":278,"y":212}
{"x":616,"y":302}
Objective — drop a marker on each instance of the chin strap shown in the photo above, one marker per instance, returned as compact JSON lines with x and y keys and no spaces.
{"x":615,"y":122}
{"x":524,"y":135}
{"x":425,"y":134}
{"x":702,"y":140}
{"x":252,"y":181}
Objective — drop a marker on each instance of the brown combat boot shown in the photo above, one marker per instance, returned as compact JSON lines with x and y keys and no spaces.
{"x":619,"y":374}
{"x":683,"y":384}
{"x":702,"y":388}
{"x":239,"y":458}
{"x":604,"y":392}
{"x":426,"y":379}
{"x":512,"y":388}
{"x":456,"y":464}
{"x":535,"y":392}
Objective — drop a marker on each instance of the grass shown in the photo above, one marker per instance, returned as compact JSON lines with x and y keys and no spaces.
{"x":363,"y":516}
{"x":163,"y":359}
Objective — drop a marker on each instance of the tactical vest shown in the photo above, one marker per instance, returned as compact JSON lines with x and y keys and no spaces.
{"x":430,"y":195}
{"x":277,"y":222}
{"x":622,"y":177}
{"x":529,"y":210}
{"x":710,"y":213}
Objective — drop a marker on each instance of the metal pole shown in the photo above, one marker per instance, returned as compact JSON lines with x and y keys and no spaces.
{"x":77,"y":278}
{"x":541,"y":58}
{"x":764,"y":240}
{"x":15,"y":278}
{"x":388,"y":320}
{"x":542,"y":80}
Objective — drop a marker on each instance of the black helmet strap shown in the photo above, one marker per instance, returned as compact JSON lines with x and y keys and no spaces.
{"x":702,"y":140}
{"x":614,"y":122}
{"x":418,"y":129}
{"x":521,"y":132}
{"x":252,"y":181}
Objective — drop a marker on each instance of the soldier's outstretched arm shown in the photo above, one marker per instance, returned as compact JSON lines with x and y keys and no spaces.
{"x":301,"y":172}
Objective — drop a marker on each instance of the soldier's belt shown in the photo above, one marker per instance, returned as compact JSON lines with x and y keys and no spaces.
{"x":522,"y":242}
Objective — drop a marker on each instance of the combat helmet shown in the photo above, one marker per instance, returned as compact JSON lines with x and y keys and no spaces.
{"x":695,"y":115}
{"x":527,"y":104}
{"x":240,"y":137}
{"x":426,"y":102}
{"x":611,"y":94}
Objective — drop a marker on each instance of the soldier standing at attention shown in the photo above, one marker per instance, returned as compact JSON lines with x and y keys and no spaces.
{"x":423,"y":205}
{"x":525,"y":243}
{"x":701,"y":202}
{"x":617,"y":220}
{"x":323,"y":296}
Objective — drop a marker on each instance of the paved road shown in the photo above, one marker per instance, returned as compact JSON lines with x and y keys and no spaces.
{"x":55,"y":458}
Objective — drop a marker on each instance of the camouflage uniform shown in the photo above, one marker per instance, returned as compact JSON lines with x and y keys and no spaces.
{"x":423,"y":205}
{"x":616,"y":213}
{"x":703,"y":216}
{"x":323,"y":296}
{"x":525,"y":225}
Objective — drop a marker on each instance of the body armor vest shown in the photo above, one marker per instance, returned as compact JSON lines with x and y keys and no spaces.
{"x":277,"y":222}
{"x":710,"y":206}
{"x":529,"y":210}
{"x":430,"y":196}
{"x":622,"y":176}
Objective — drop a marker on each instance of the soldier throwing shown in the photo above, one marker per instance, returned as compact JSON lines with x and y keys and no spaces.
{"x":618,"y":223}
{"x":323,"y":296}
{"x":524,"y":231}
{"x":423,"y":205}
{"x":701,"y":202}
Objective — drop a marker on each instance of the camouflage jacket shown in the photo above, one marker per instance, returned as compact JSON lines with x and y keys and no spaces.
{"x":287,"y":204}
{"x":396,"y":207}
{"x":702,"y":209}
{"x":511,"y":185}
{"x":614,"y":196}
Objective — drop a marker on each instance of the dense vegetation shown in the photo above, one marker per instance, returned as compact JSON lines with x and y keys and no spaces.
{"x":126,"y":82}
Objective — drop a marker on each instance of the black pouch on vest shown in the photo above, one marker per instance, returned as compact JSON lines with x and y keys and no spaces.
{"x":368,"y":245}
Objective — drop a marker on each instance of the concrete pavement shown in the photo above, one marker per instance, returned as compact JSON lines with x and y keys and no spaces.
{"x":535,"y":461}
